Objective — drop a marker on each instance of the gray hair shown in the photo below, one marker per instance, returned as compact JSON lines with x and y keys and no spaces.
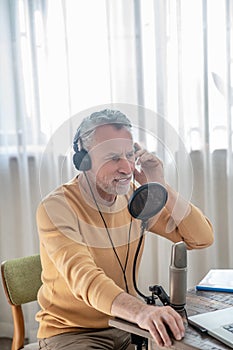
{"x":86,"y":130}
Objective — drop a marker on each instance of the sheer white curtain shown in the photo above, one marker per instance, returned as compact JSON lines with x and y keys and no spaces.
{"x":167,"y":64}
{"x":182,"y":69}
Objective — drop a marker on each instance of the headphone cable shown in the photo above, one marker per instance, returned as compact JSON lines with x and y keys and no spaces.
{"x":123,"y":268}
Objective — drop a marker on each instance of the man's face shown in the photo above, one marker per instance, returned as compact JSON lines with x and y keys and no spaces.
{"x":113,"y":161}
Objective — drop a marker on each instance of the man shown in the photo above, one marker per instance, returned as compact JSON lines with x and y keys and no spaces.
{"x":88,"y":242}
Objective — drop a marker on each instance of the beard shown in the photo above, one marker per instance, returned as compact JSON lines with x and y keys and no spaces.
{"x":113,"y":187}
{"x":106,"y":187}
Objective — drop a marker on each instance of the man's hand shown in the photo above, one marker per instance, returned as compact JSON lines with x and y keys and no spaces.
{"x":155,"y":319}
{"x":151,"y":170}
{"x":151,"y":167}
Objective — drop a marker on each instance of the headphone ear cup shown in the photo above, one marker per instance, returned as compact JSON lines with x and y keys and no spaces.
{"x":82,"y":160}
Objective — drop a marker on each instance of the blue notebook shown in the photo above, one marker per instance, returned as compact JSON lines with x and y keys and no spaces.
{"x":219,"y":280}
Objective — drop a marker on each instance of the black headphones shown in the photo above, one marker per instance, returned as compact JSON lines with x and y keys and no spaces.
{"x":81,"y":158}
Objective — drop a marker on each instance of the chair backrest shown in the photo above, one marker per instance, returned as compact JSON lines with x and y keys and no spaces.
{"x":21,"y":279}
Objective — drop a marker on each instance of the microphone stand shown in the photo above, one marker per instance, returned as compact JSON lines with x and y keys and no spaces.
{"x":156,"y":292}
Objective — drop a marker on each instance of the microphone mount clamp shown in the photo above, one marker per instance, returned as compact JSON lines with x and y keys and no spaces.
{"x":158,"y":292}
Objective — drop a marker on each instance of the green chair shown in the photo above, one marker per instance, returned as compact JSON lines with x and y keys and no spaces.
{"x":21,"y":279}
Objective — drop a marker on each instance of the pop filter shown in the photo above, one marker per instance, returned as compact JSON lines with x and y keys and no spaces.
{"x":147,"y":200}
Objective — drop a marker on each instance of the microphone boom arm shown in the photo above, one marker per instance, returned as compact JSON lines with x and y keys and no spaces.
{"x":159,"y":292}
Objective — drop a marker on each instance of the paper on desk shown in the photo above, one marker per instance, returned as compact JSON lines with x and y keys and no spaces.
{"x":220,"y":280}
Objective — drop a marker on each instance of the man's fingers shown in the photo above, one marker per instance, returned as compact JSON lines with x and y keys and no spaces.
{"x":175,"y":323}
{"x":160,"y":334}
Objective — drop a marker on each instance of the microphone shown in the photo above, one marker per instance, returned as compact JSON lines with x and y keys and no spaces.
{"x":178,"y":276}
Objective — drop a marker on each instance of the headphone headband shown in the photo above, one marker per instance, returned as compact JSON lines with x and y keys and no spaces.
{"x":75,"y":141}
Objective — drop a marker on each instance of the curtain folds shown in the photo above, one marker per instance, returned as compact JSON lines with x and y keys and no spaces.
{"x":165,"y":63}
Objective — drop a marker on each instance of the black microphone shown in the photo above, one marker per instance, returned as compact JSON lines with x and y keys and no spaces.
{"x":178,"y":276}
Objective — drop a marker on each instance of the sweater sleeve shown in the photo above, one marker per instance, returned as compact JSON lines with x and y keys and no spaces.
{"x":73,"y":260}
{"x":195,"y":229}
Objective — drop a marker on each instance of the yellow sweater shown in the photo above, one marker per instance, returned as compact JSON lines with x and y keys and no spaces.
{"x":81,"y":275}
